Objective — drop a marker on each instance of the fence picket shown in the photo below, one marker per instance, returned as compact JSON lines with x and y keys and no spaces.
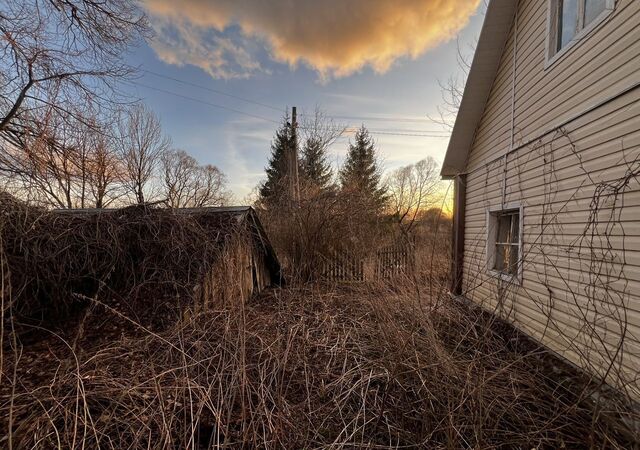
{"x":387,"y":263}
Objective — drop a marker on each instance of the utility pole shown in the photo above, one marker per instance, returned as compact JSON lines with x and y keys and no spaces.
{"x":294,"y":176}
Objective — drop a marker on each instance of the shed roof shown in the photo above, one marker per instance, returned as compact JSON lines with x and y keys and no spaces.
{"x":493,"y":38}
{"x":240,"y":213}
{"x":206,"y":209}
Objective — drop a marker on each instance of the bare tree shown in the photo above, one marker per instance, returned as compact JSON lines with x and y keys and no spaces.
{"x":319,"y":132}
{"x":60,"y":64}
{"x":320,"y":128}
{"x":453,"y":88}
{"x":188,"y":184}
{"x":413,"y":189}
{"x":142,"y":144}
{"x":43,"y":167}
{"x":213,"y":190}
{"x":104,"y":170}
{"x":60,"y":57}
{"x":67,"y":164}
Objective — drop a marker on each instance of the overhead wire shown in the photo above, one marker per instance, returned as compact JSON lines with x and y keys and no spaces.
{"x":399,"y":132}
{"x":380,"y":119}
{"x":215,"y":91}
{"x":275,"y":108}
{"x":204,"y":102}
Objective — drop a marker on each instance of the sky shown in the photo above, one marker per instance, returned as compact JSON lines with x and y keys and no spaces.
{"x":221,"y":74}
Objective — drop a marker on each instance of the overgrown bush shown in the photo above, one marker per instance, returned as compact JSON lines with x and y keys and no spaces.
{"x":330,"y":224}
{"x":320,"y":226}
{"x":368,"y":366}
{"x":146,"y":259}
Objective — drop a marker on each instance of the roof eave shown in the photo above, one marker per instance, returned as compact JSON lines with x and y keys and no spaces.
{"x":486,"y":61}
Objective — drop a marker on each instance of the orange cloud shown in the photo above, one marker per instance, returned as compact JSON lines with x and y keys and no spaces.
{"x":334,"y":37}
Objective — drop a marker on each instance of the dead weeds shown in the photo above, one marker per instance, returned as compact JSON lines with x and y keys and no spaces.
{"x":299,"y":368}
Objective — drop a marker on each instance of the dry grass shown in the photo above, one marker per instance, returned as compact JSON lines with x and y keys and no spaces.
{"x":110,"y":364}
{"x":301,"y":368}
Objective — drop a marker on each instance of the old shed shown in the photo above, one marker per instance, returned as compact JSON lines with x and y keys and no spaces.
{"x":244,"y":263}
{"x":248,"y":264}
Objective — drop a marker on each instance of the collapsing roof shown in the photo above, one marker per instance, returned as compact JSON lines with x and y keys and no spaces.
{"x":240,"y":214}
{"x":249,"y":216}
{"x":493,"y":38}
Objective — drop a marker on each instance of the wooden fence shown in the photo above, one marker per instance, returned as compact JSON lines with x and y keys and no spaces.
{"x":344,"y":268}
{"x":394,"y":261}
{"x":384,"y":264}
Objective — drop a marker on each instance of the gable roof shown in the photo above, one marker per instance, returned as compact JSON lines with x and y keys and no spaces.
{"x":486,"y":60}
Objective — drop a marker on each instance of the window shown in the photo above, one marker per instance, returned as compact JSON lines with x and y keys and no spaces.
{"x":570,"y":18}
{"x":593,"y":9}
{"x":568,"y":24}
{"x":504,"y":242}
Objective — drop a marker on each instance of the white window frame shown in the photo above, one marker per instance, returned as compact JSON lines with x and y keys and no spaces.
{"x":553,"y":14}
{"x":492,"y":231}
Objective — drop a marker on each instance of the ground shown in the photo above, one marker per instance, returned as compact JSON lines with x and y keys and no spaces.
{"x":309,"y":367}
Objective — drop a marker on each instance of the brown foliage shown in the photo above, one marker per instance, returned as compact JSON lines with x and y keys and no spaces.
{"x":320,"y":226}
{"x":370,"y":366}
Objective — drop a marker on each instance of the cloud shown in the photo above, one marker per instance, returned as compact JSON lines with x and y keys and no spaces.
{"x":334,"y":37}
{"x":179,"y":43}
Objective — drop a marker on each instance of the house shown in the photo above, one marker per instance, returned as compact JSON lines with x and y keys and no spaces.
{"x":545,"y":159}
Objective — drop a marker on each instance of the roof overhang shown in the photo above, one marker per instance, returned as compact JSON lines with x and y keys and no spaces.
{"x":486,"y":60}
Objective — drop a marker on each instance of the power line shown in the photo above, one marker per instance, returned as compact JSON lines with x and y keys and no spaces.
{"x":204,"y":102}
{"x":418,"y":133}
{"x":255,"y":116}
{"x":387,"y":133}
{"x":435,"y":133}
{"x":215,"y":91}
{"x":380,"y":119}
{"x":275,"y":108}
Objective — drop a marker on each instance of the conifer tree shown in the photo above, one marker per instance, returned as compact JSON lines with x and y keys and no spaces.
{"x":276,"y":185}
{"x":317,"y":171}
{"x":360,"y":175}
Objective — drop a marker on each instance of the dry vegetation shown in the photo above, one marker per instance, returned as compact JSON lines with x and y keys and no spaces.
{"x":298,"y":369}
{"x":123,"y":329}
{"x":368,"y":366}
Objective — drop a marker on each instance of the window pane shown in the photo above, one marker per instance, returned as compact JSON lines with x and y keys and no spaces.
{"x":500,"y":265}
{"x":507,"y":241}
{"x":592,"y":9}
{"x":568,"y":23}
{"x":504,"y":228}
{"x":506,"y":259}
{"x":515,"y":229}
{"x":513,"y":259}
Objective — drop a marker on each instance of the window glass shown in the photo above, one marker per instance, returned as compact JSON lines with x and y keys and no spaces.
{"x":592,"y":9}
{"x":515,"y":228}
{"x":513,"y":259}
{"x":501,"y":257}
{"x":506,"y":258}
{"x":507,"y":241}
{"x":504,"y":228}
{"x":568,"y":23}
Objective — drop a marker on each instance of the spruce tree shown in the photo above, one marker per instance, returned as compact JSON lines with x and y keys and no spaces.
{"x":316,"y":169}
{"x":276,"y":185}
{"x":360,"y":175}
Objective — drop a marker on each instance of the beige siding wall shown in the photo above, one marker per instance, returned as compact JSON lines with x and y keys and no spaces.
{"x":580,"y":288}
